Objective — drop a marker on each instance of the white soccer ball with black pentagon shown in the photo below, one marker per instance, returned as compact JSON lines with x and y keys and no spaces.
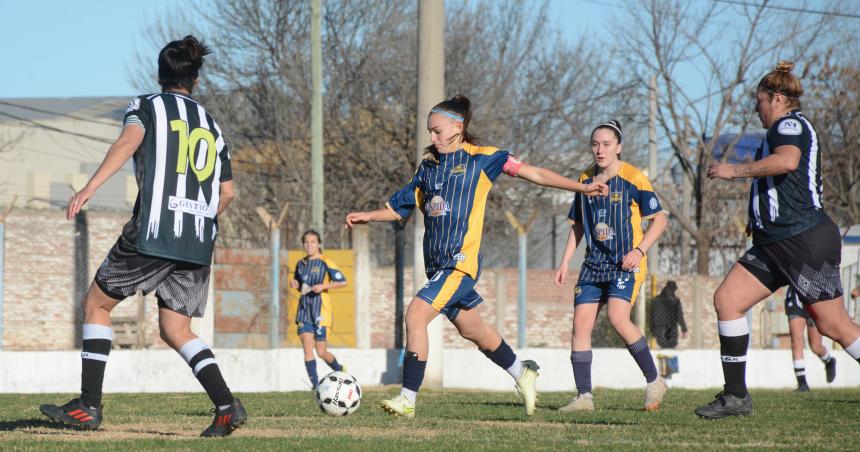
{"x":338,"y":394}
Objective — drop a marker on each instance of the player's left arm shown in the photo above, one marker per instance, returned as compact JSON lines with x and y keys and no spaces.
{"x":784,"y":159}
{"x":228,"y":193}
{"x":335,"y":278}
{"x":655,"y":230}
{"x":549,"y":178}
{"x":119,"y":153}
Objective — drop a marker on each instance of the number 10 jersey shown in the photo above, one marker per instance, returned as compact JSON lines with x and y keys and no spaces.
{"x":179,"y":168}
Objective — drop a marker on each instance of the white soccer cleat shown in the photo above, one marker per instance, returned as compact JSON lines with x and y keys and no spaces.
{"x":654,"y":393}
{"x":526,"y":385}
{"x":399,"y":405}
{"x":582,"y":402}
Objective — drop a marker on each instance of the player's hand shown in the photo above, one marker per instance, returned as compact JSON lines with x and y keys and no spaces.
{"x":294,"y":284}
{"x":683,"y":335}
{"x":77,"y":202}
{"x":354,"y":218}
{"x":596,"y":189}
{"x":631,"y":260}
{"x":719,"y":170}
{"x":560,"y":276}
{"x":317,"y":288}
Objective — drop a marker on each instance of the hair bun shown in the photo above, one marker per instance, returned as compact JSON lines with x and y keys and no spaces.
{"x":464,"y":101}
{"x":784,"y":66}
{"x":195,"y":50}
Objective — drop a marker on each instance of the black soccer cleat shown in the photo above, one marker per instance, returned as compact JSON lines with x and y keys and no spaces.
{"x":227,"y":420}
{"x":830,"y":368}
{"x":802,"y":388}
{"x":725,"y":405}
{"x":74,"y":414}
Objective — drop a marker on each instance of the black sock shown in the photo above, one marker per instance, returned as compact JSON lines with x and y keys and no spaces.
{"x":581,"y":363}
{"x":800,"y":372}
{"x":202,"y":362}
{"x":413,"y":371}
{"x":335,"y":366}
{"x":94,"y":356}
{"x":503,"y":356}
{"x":734,"y":341}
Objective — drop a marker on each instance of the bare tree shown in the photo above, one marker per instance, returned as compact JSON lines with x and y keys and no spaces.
{"x":725,"y":48}
{"x":533,"y":92}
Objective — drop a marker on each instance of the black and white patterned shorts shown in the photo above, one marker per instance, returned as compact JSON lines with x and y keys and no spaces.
{"x":808,"y":262}
{"x":182,"y":287}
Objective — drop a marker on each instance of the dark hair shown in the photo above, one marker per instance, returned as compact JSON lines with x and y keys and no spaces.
{"x":312,"y":232}
{"x":782,"y":81}
{"x":179,"y":63}
{"x":458,"y":105}
{"x":613,"y":125}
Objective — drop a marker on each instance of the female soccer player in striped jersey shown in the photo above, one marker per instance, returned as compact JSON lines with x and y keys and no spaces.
{"x":451,"y":187}
{"x":615,"y":262}
{"x":314,"y":312}
{"x":795,"y":243}
{"x":182,"y":166}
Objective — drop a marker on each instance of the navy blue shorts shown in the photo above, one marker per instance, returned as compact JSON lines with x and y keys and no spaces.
{"x":320,"y":332}
{"x":625,"y":288}
{"x":450,"y":290}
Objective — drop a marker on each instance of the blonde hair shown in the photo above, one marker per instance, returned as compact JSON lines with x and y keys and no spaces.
{"x":782,"y":81}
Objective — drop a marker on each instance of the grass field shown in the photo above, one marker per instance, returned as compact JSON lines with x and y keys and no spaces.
{"x":822,"y":419}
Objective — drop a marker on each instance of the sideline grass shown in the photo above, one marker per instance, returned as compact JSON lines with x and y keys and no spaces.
{"x":446,"y":420}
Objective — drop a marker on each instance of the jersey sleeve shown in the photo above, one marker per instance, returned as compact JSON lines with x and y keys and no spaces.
{"x":788,"y":131}
{"x":409,"y":196}
{"x":645,"y":197}
{"x":495,"y":164}
{"x":334,"y":274}
{"x":297,"y":275}
{"x":137,"y":113}
{"x":223,"y":154}
{"x":575,"y":214}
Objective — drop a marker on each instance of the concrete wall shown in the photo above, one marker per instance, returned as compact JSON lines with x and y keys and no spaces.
{"x":282,"y":370}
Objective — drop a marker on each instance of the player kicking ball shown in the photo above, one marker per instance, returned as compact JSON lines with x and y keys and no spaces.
{"x":451,"y":187}
{"x":184,"y":181}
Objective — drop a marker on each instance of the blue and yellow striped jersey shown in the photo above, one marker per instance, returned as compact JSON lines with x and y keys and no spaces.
{"x":453,"y":196}
{"x":315,"y":308}
{"x":613,"y":224}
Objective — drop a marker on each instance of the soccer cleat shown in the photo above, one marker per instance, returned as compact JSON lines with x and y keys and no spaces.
{"x":227,"y":420}
{"x":526,"y":385}
{"x":654,"y":393}
{"x":399,"y":405}
{"x":830,"y":368}
{"x":74,"y":414}
{"x":725,"y":405}
{"x":803,"y":387}
{"x":582,"y":402}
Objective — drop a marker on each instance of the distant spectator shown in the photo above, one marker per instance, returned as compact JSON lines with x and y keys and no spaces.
{"x":666,"y":315}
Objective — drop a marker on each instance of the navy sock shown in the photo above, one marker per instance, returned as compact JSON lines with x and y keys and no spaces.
{"x":581,"y":362}
{"x":642,"y":354}
{"x":413,"y":371}
{"x":311,"y":367}
{"x":502,"y":356}
{"x":335,"y":366}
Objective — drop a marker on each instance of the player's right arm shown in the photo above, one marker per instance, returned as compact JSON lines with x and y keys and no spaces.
{"x":228,"y":192}
{"x":378,"y":215}
{"x":119,"y":153}
{"x":573,"y":240}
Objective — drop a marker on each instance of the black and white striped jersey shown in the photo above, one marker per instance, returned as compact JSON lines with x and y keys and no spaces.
{"x":786,"y":205}
{"x":179,"y":167}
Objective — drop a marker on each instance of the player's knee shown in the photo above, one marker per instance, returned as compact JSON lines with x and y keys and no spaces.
{"x":321,"y":348}
{"x":723,"y":303}
{"x":619,"y":319}
{"x":829,"y":328}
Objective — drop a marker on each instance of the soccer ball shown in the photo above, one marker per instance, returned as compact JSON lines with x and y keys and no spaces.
{"x":338,"y":394}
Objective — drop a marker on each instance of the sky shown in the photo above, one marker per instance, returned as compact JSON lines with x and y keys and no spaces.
{"x":86,"y":48}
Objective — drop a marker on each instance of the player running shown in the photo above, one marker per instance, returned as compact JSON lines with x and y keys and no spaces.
{"x":184,"y":179}
{"x":795,"y":243}
{"x":798,"y":320}
{"x":615,"y":263}
{"x":314,"y":312}
{"x":451,"y":187}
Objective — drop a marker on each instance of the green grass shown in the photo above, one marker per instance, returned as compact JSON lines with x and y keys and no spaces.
{"x":447,"y":420}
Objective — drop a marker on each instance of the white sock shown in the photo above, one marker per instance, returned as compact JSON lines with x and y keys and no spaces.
{"x":826,"y":357}
{"x":409,"y":394}
{"x":799,"y":367}
{"x":516,"y":369}
{"x":854,"y":349}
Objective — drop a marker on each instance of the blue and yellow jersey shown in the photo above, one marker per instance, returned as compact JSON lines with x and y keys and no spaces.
{"x":453,"y":196}
{"x":315,"y":308}
{"x":613,"y":224}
